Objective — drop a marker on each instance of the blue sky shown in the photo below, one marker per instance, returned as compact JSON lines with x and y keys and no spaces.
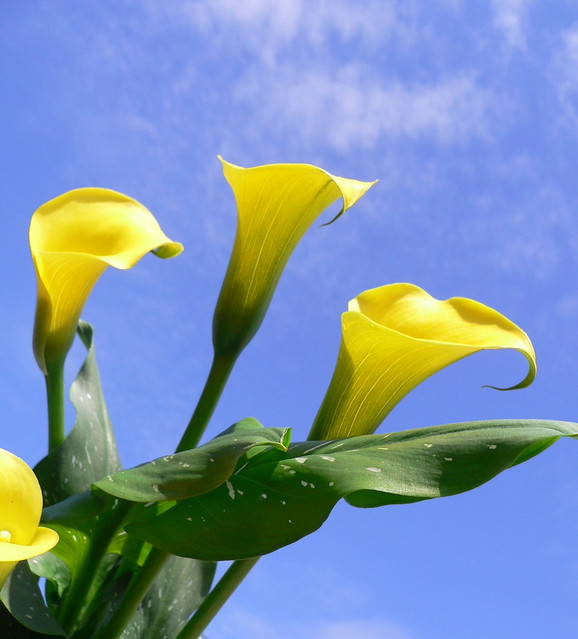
{"x":467,"y":112}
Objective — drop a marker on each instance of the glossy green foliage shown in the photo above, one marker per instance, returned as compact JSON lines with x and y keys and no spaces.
{"x":89,"y":451}
{"x":175,"y":594}
{"x":274,"y":498}
{"x":195,"y":471}
{"x":21,"y":596}
{"x":87,"y":454}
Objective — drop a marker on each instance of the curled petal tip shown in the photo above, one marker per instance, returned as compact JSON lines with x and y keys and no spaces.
{"x":168,"y":250}
{"x":351,"y":192}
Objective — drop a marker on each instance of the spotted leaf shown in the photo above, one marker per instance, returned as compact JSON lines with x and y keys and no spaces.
{"x":275,"y":498}
{"x":195,"y":471}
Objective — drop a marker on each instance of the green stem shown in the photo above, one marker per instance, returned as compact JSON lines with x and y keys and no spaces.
{"x":75,"y":602}
{"x":216,"y":380}
{"x":218,"y":596}
{"x":218,"y":376}
{"x":132,"y":598}
{"x":55,"y":400}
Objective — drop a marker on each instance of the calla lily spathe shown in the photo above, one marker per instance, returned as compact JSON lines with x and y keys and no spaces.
{"x":73,"y":238}
{"x":276,"y":204}
{"x":393,"y":338}
{"x":20,"y":510}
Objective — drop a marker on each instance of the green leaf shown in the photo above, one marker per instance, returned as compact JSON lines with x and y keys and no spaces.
{"x":86,"y":455}
{"x":175,"y":594}
{"x":275,"y":498}
{"x":89,"y":451}
{"x":75,"y":520}
{"x":195,"y":471}
{"x":21,"y":596}
{"x":82,"y":506}
{"x":55,"y":571}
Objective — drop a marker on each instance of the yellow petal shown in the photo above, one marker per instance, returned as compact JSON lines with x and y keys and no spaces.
{"x":44,"y":540}
{"x":20,"y":499}
{"x":20,"y":510}
{"x":276,"y":204}
{"x":396,"y":336}
{"x":73,"y":238}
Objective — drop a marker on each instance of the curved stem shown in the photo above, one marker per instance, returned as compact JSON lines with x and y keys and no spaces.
{"x":136,"y":591}
{"x":218,"y":596}
{"x":55,"y":401}
{"x":75,"y":602}
{"x":218,"y":375}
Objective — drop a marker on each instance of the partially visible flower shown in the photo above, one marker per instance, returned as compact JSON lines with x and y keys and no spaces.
{"x":73,"y":238}
{"x":20,"y":510}
{"x":276,"y":204}
{"x":393,"y":338}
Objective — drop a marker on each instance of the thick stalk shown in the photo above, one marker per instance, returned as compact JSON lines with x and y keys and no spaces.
{"x":218,"y":376}
{"x":134,"y":595}
{"x":54,"y":380}
{"x":218,"y":596}
{"x":216,"y":380}
{"x":76,"y":602}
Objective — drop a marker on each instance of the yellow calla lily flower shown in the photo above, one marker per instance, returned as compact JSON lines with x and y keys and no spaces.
{"x":393,"y":338}
{"x":73,"y":238}
{"x":276,"y":204}
{"x":20,"y":510}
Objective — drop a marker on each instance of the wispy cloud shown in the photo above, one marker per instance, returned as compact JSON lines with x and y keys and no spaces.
{"x":238,"y":623}
{"x":305,"y":77}
{"x":269,"y":28}
{"x":509,"y":16}
{"x":565,"y":74}
{"x":355,"y":108}
{"x":366,"y":628}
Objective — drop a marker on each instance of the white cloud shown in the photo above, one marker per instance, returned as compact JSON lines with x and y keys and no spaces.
{"x":302,"y":73}
{"x":268,"y":27}
{"x":368,"y":629}
{"x":241,"y":624}
{"x":312,"y":76}
{"x":509,"y":16}
{"x":353,"y":108}
{"x":565,"y":73}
